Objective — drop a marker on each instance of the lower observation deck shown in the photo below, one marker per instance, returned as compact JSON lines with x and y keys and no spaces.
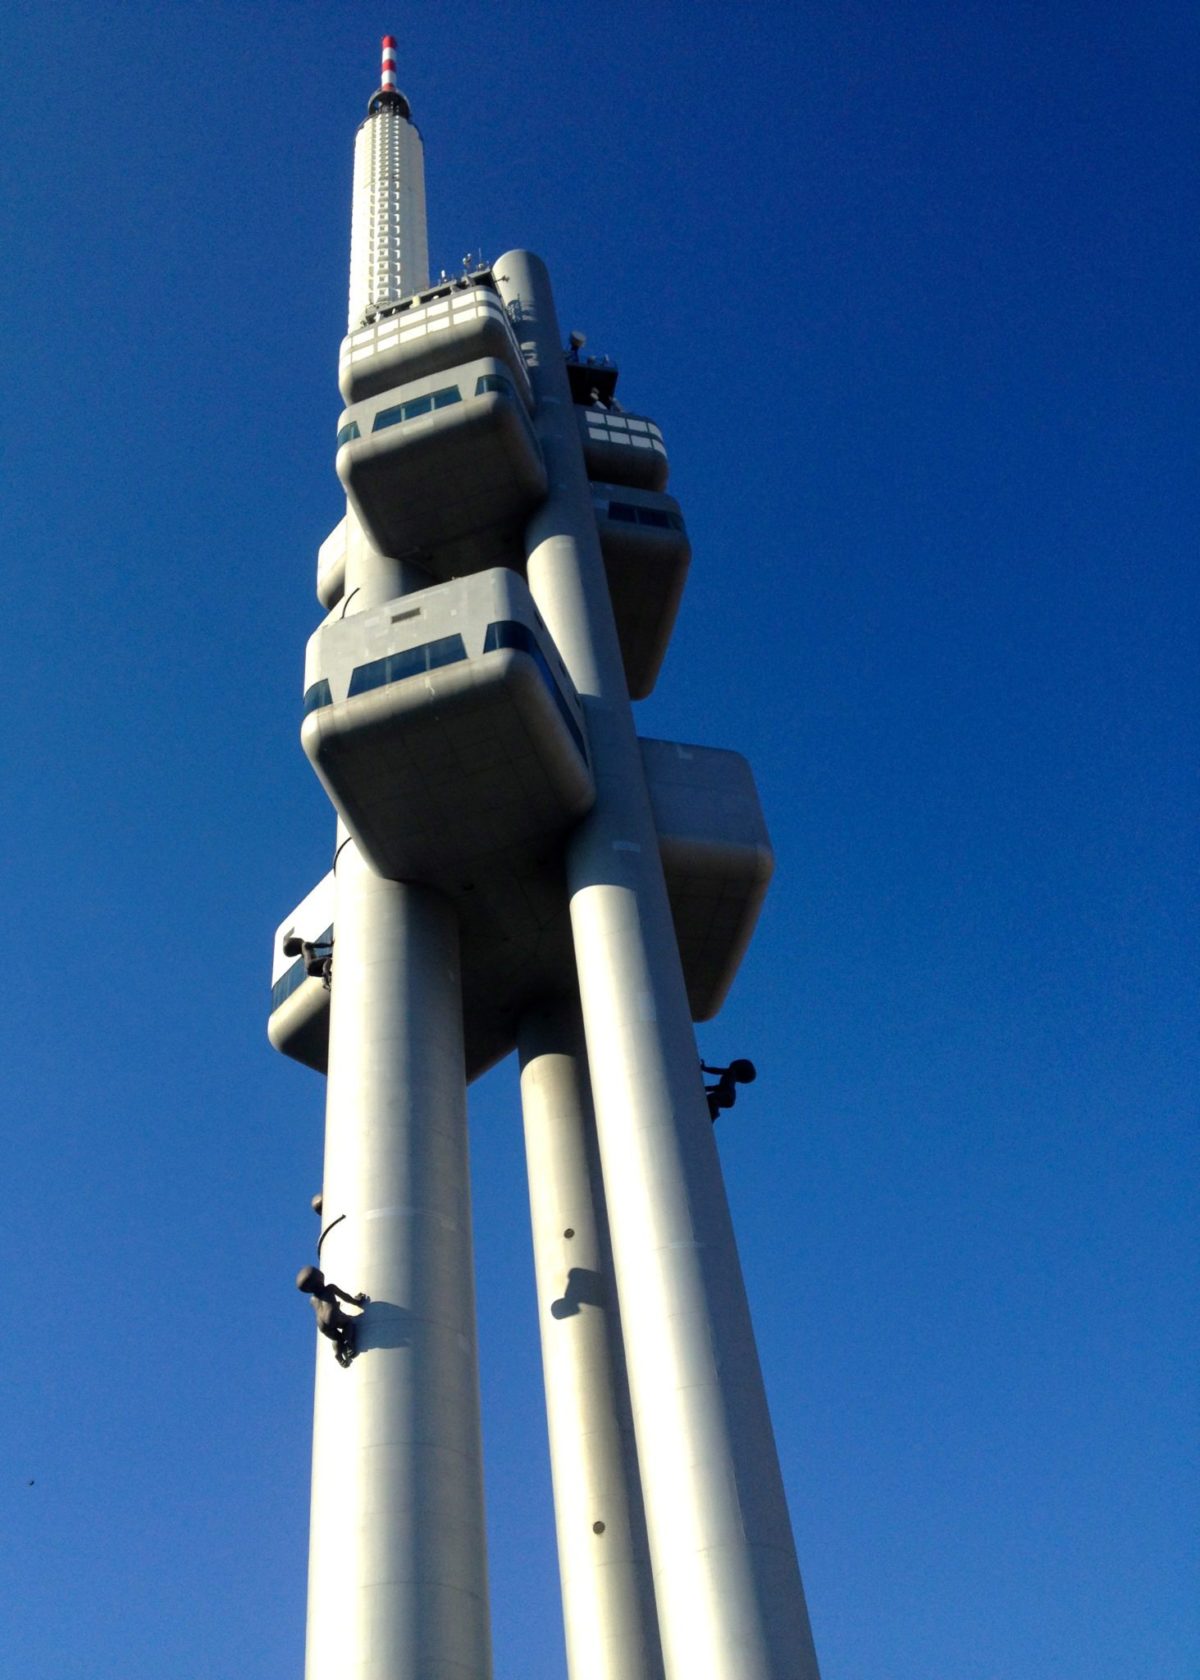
{"x":516,"y":941}
{"x":444,"y":471}
{"x":446,"y":731}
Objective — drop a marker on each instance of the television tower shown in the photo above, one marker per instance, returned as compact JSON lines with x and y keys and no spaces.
{"x":515,"y":869}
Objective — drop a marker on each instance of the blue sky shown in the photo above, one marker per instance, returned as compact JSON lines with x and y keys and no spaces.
{"x":909,"y":289}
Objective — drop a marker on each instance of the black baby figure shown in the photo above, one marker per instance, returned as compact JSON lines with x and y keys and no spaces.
{"x":331,"y":1320}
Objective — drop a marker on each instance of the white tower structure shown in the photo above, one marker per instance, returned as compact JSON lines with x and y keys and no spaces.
{"x":389,"y":250}
{"x":516,"y":869}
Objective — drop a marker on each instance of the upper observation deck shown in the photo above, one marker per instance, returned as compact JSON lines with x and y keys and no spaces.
{"x":458,"y":321}
{"x":445,"y":469}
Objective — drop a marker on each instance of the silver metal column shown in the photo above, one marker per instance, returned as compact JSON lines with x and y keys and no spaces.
{"x":730,"y":1602}
{"x":397,"y":1559}
{"x":607,"y":1593}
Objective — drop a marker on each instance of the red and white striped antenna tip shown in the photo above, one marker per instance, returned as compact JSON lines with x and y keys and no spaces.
{"x":388,"y":78}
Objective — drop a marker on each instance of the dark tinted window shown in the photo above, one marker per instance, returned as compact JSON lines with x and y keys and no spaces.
{"x":414,"y":406}
{"x":492,"y":382}
{"x":316,"y":696}
{"x":348,"y":432}
{"x":629,"y":514}
{"x":410,"y":662}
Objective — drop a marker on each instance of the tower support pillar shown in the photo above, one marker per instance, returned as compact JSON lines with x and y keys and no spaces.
{"x":604,"y":1565}
{"x":727,"y":1585}
{"x":397,"y":1571}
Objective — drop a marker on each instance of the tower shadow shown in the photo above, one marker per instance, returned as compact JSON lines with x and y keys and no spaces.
{"x":585,"y":1288}
{"x":385,"y":1324}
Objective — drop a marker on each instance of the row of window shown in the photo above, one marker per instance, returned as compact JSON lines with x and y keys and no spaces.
{"x":396,"y":415}
{"x":394,"y":667}
{"x":422,"y":299}
{"x":448,"y":650}
{"x":468,"y":310}
{"x":607,"y":421}
{"x":296,"y":975}
{"x":400,"y":412}
{"x":629,"y":514}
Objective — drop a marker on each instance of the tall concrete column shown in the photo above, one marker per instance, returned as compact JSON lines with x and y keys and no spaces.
{"x":730,"y":1601}
{"x":397,"y":1555}
{"x":607,"y":1593}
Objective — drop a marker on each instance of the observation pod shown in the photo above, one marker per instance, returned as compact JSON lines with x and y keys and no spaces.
{"x":622,"y":448}
{"x":331,"y":566}
{"x":717,"y":861}
{"x":444,"y":470}
{"x":646,"y":558}
{"x":299,"y":1021}
{"x":446,"y":731}
{"x":515,"y":953}
{"x":435,"y":330}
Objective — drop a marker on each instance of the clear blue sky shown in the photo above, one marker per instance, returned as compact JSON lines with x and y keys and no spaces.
{"x":909,"y":290}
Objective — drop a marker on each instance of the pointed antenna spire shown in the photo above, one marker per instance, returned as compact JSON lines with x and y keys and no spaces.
{"x":388,"y":95}
{"x":387,"y":80}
